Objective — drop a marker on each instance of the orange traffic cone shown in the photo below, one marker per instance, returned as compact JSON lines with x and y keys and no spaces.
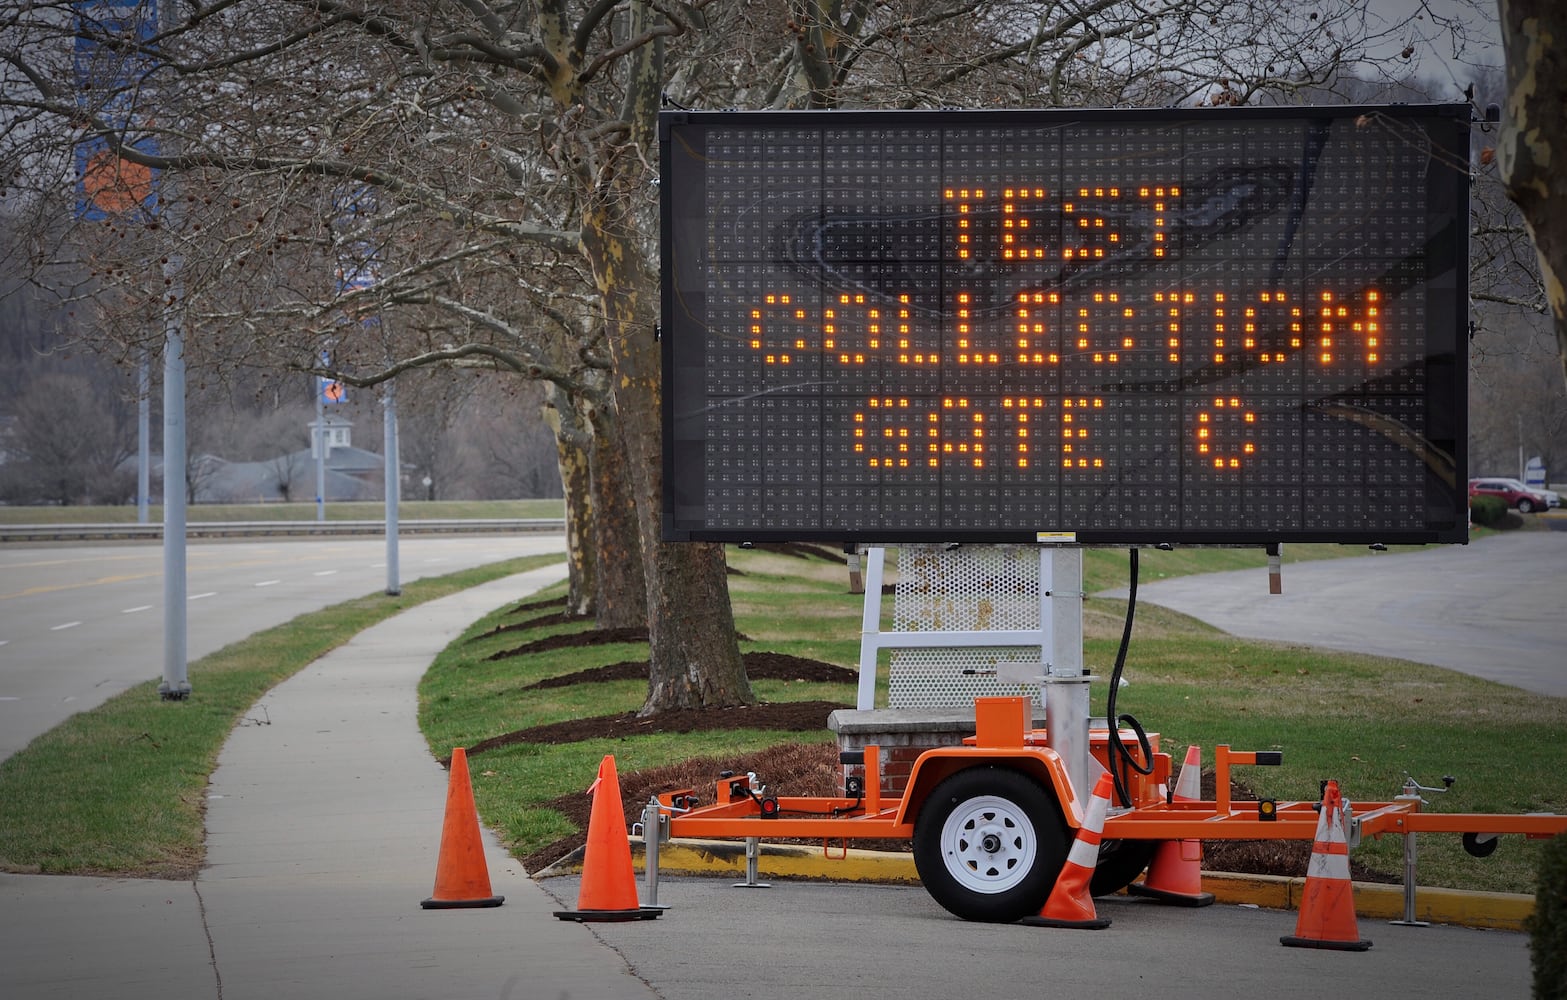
{"x":1070,"y":903}
{"x":609,"y":882}
{"x":462,"y":879}
{"x":1175,"y":874}
{"x":1327,"y":910}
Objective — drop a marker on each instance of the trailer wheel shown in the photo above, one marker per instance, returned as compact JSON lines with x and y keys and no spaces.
{"x":1480,"y":845}
{"x":989,"y":843}
{"x":1119,"y":864}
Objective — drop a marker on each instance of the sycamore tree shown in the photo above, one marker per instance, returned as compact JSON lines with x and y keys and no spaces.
{"x":363,"y":189}
{"x":1531,"y":146}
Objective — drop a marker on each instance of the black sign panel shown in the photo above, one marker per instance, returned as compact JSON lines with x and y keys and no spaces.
{"x":1193,"y":326}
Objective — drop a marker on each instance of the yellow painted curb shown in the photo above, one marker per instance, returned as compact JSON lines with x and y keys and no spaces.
{"x":784,"y":861}
{"x":1377,"y":901}
{"x":1499,"y":910}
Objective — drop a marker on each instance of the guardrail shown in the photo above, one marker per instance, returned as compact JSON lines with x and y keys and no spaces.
{"x":272,"y":529}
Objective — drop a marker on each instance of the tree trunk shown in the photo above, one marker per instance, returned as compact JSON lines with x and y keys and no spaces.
{"x":1532,"y":148}
{"x":621,"y":599}
{"x":572,"y":456}
{"x":695,"y":656}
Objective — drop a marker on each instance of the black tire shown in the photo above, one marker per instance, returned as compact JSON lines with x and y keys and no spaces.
{"x":1119,"y":864}
{"x":1477,"y":848}
{"x":989,"y":843}
{"x":1525,"y":506}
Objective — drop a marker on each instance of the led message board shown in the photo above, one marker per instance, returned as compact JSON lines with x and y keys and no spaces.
{"x":1184,"y":326}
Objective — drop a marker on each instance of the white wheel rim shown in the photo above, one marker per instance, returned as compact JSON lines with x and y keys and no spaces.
{"x":988,"y":844}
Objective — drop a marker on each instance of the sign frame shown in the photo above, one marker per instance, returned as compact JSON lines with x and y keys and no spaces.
{"x":1410,"y":421}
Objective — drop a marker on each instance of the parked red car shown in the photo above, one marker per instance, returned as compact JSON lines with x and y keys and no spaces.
{"x":1513,"y":493}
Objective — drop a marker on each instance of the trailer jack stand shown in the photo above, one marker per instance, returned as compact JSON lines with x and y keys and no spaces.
{"x":655,"y":830}
{"x":753,"y":854}
{"x":1412,"y":790}
{"x":1409,"y":886}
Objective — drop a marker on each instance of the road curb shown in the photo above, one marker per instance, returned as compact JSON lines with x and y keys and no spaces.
{"x":1373,"y":901}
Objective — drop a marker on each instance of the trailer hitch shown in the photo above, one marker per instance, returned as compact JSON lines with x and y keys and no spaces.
{"x":1476,"y":845}
{"x":1414,"y":788}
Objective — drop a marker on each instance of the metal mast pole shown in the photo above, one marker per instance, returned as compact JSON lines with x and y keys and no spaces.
{"x":393,"y":465}
{"x":175,"y":685}
{"x":143,"y":437}
{"x":320,"y":449}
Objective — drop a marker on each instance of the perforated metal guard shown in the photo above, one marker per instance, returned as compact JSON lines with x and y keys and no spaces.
{"x":971,"y":588}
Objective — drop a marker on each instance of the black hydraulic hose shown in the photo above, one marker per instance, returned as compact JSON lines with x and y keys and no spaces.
{"x":1119,"y":757}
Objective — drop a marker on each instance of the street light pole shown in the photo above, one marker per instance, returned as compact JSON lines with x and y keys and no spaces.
{"x":393,"y":470}
{"x":143,"y":436}
{"x":175,"y":685}
{"x":320,"y":443}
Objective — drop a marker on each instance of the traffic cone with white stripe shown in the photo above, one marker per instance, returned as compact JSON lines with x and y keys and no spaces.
{"x":1327,"y":909}
{"x":1070,"y":903}
{"x":1175,"y":874}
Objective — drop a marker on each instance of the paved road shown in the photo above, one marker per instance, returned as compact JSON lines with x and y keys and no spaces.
{"x":1494,"y":608}
{"x":894,"y":943}
{"x":79,"y":624}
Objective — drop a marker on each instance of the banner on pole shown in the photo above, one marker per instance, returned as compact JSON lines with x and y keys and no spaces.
{"x":113,"y":59}
{"x":331,"y":390}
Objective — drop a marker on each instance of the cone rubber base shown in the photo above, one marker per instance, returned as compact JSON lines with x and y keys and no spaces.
{"x":1291,"y":941}
{"x":462,"y":904}
{"x":610,"y":916}
{"x":1173,"y":898}
{"x":1098,"y":923}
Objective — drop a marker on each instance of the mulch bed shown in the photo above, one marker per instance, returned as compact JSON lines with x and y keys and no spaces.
{"x":758,"y":666}
{"x":791,"y":716}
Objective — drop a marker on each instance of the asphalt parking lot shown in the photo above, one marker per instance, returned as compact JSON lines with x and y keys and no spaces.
{"x":1492,"y":608}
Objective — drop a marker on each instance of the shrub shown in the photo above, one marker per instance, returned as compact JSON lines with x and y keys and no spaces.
{"x":1487,"y":511}
{"x":1547,"y":925}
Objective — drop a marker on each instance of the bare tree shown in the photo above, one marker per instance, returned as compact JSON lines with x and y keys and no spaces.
{"x":292,"y":474}
{"x":418,"y":184}
{"x":1520,"y":409}
{"x":430,"y":417}
{"x":69,"y":443}
{"x":514,"y":450}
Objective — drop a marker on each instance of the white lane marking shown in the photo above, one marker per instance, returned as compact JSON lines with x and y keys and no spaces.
{"x":268,"y":583}
{"x":324,"y":572}
{"x":60,"y":628}
{"x":5,"y":642}
{"x":139,"y":607}
{"x":197,"y":597}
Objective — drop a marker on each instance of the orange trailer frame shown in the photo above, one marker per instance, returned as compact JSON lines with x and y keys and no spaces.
{"x":1004,"y":743}
{"x":739,"y":810}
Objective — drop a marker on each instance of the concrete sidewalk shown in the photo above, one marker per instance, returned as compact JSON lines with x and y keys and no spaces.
{"x":323,"y":833}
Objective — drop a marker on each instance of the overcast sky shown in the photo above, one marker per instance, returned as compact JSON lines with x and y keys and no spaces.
{"x":1438,"y":62}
